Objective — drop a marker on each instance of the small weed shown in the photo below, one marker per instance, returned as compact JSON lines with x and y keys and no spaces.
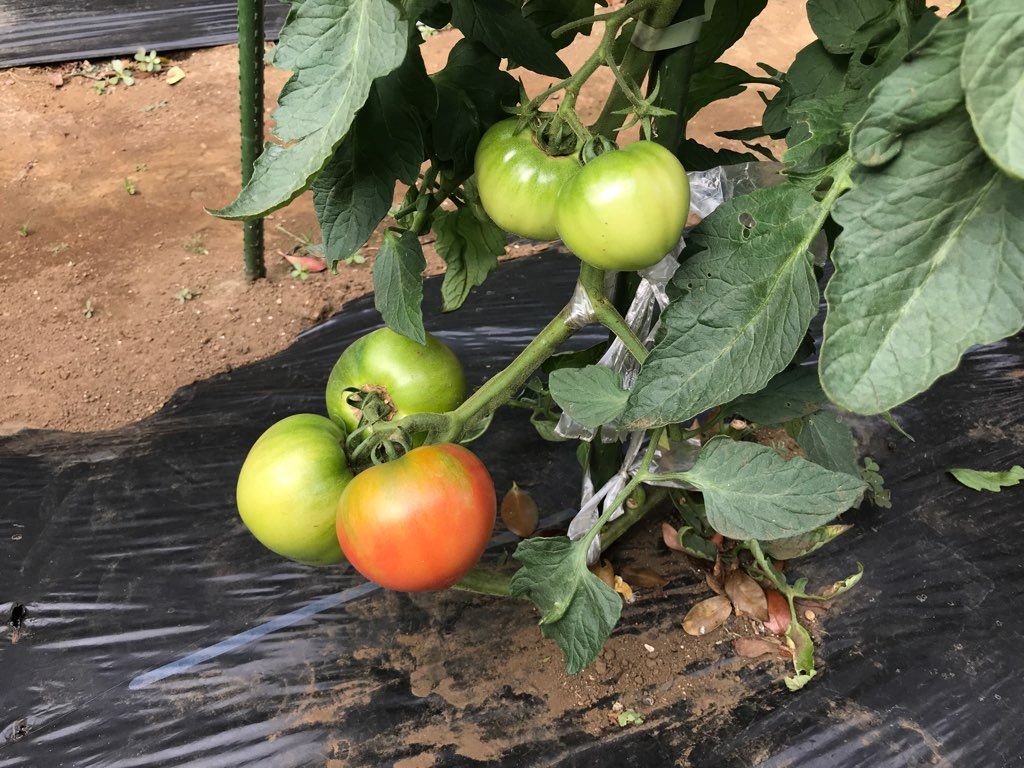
{"x":140,"y":167}
{"x":24,"y":231}
{"x":148,"y":62}
{"x":89,"y":310}
{"x":100,"y":86}
{"x":59,"y":248}
{"x":158,"y":105}
{"x":184,"y":295}
{"x":129,"y":186}
{"x":122,"y":73}
{"x":299,"y":272}
{"x":195,"y":244}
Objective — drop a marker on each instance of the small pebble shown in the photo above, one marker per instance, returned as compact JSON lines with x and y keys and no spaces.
{"x":649,"y":648}
{"x":809,"y":615}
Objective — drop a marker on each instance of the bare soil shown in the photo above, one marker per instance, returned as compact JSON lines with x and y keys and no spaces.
{"x":91,"y":334}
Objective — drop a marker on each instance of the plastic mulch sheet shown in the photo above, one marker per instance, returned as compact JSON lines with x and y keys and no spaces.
{"x":36,"y":33}
{"x":152,"y":630}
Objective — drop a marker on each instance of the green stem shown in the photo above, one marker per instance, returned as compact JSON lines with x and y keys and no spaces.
{"x":634,"y":66}
{"x":485,"y":582}
{"x":504,"y":385}
{"x":618,"y":527}
{"x":592,"y":280}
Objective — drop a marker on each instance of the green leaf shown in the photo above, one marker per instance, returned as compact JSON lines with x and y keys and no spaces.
{"x":877,"y":492}
{"x":336,"y":51}
{"x":750,"y":492}
{"x":993,"y":77}
{"x":355,"y":191}
{"x":930,"y":263}
{"x":630,"y":717}
{"x":472,"y":92}
{"x":578,"y":610}
{"x":718,"y":81}
{"x":592,"y":396}
{"x":814,"y":71}
{"x":843,"y":26}
{"x":470,"y":249}
{"x":729,"y":20}
{"x":793,"y":547}
{"x":799,"y":640}
{"x":828,"y":441}
{"x":576,"y":358}
{"x":398,"y":284}
{"x":696,"y":157}
{"x":742,"y":302}
{"x":923,"y":90}
{"x":549,"y":15}
{"x":500,"y":26}
{"x":792,"y":394}
{"x":820,"y":132}
{"x":981,"y":480}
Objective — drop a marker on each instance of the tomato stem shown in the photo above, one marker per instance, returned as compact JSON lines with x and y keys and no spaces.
{"x":618,"y":527}
{"x":592,"y":280}
{"x":485,"y":582}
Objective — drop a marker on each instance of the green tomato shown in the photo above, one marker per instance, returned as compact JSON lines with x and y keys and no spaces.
{"x":626,"y":208}
{"x":413,"y":378}
{"x":519,"y":182}
{"x":289,"y":487}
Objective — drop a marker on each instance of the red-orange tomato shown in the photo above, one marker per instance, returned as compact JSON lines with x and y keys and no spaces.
{"x":418,"y":523}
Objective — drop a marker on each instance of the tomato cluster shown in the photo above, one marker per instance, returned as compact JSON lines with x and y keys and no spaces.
{"x":416,"y":523}
{"x":623,"y":210}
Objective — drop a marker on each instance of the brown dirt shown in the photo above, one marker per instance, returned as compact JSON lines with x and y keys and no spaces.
{"x":67,"y":154}
{"x":477,"y":654}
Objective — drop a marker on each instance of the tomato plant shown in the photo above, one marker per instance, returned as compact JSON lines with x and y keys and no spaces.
{"x":420,"y":522}
{"x":900,"y":163}
{"x":407,"y":376}
{"x":289,"y":487}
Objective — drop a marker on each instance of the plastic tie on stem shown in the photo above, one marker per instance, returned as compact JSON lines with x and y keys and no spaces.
{"x":687,"y":32}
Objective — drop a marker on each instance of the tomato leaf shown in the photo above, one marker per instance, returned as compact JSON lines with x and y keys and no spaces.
{"x":750,"y":492}
{"x":791,"y":394}
{"x":470,"y":249}
{"x":729,"y":20}
{"x":717,"y":81}
{"x":930,"y":262}
{"x":355,"y":191}
{"x":592,"y":395}
{"x":398,"y":284}
{"x":917,"y":94}
{"x":578,"y":610}
{"x":500,"y":26}
{"x":829,"y":442}
{"x":472,"y":92}
{"x":741,"y":303}
{"x":320,"y":100}
{"x":793,"y":547}
{"x":696,"y":157}
{"x":549,"y":15}
{"x":981,"y":480}
{"x":993,"y":59}
{"x":843,"y":26}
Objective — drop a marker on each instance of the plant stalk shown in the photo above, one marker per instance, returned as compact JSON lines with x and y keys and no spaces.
{"x":250,"y":91}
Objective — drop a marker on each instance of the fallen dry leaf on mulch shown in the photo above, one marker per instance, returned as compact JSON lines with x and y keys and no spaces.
{"x":707,"y":615}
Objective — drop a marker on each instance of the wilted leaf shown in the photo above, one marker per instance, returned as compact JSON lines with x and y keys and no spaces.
{"x":519,"y":512}
{"x":644,"y":577}
{"x":714,"y":584}
{"x":707,"y":616}
{"x":624,"y":589}
{"x":778,"y":612}
{"x":175,"y":75}
{"x":752,"y":647}
{"x":308,"y":263}
{"x":798,"y":546}
{"x":671,"y":537}
{"x":746,"y":595}
{"x":981,"y":480}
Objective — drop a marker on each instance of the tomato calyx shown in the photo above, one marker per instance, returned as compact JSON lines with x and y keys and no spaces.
{"x":367,"y":443}
{"x":595,"y":147}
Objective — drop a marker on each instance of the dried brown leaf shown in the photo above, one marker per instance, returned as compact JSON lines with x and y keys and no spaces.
{"x":644,"y":577}
{"x":746,"y":595}
{"x":624,"y":589}
{"x":778,"y":612}
{"x":671,"y":537}
{"x":707,"y":616}
{"x":752,"y":647}
{"x":519,"y":512}
{"x":714,"y":584}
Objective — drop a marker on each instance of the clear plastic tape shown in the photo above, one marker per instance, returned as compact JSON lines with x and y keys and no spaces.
{"x":590,"y":512}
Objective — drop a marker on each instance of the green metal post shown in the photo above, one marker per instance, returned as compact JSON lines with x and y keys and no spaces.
{"x":250,"y":90}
